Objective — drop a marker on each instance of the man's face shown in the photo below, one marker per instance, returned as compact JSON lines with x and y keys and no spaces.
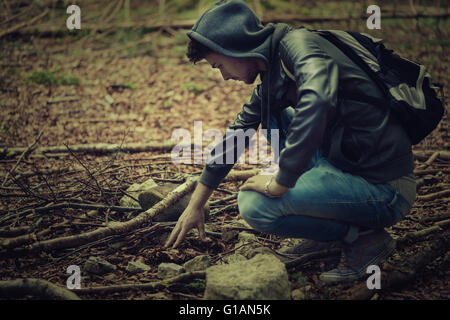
{"x":241,"y":69}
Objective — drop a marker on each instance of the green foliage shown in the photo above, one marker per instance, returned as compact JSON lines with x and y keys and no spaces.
{"x":300,"y":278}
{"x":13,"y":71}
{"x":130,"y":85}
{"x":197,"y":286}
{"x":49,"y":78}
{"x":193,"y":87}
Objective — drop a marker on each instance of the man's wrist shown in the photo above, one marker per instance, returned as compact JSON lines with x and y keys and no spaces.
{"x":274,"y":189}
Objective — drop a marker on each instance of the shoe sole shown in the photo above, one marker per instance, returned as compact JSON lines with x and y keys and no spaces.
{"x":335,"y":277}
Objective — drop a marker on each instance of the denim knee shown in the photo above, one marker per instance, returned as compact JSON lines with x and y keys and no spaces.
{"x":251,"y":208}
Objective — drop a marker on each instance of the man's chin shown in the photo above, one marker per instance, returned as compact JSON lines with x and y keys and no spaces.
{"x":251,"y":79}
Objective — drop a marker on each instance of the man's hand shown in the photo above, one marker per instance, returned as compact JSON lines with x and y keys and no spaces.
{"x":192,"y":217}
{"x":258,"y":182}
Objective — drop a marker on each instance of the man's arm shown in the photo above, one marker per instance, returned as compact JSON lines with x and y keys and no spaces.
{"x":317,"y":80}
{"x":213,"y":174}
{"x":192,"y":217}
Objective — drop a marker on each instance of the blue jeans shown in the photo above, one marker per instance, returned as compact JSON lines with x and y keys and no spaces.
{"x":326,"y":204}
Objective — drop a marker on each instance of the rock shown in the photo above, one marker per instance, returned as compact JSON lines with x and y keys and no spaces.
{"x":260,"y":250}
{"x":169,"y":270}
{"x":134,"y":190}
{"x":98,"y":266}
{"x":298,"y":294}
{"x":135,"y":267}
{"x":198,"y":263}
{"x":263,"y":277}
{"x":233,"y":258}
{"x":229,"y":234}
{"x":247,"y":242}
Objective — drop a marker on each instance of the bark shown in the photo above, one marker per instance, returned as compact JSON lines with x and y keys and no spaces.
{"x":152,"y":286}
{"x":36,"y":287}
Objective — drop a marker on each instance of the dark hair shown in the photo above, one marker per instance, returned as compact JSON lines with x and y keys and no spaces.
{"x":196,"y":51}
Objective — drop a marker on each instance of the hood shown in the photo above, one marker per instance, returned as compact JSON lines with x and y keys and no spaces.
{"x":231,"y":28}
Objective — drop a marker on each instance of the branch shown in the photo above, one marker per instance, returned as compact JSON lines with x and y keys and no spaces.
{"x":37,"y":287}
{"x":155,"y":285}
{"x":23,"y":24}
{"x":113,"y":228}
{"x":97,"y":148}
{"x":29,"y":149}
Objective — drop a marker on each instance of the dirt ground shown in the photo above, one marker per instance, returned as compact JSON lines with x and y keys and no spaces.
{"x":136,"y":86}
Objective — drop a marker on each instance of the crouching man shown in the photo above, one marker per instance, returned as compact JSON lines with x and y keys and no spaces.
{"x":345,"y":164}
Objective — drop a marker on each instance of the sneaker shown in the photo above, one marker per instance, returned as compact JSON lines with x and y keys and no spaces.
{"x":309,"y":246}
{"x":370,"y":248}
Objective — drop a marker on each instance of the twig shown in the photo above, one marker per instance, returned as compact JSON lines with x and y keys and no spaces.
{"x":89,"y":173}
{"x":154,"y":285}
{"x":87,"y":206}
{"x":313,"y":255}
{"x":29,"y":149}
{"x":430,"y":160}
{"x":23,"y":24}
{"x":433,"y":196}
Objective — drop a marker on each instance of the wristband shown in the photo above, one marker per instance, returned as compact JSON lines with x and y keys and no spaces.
{"x":266,"y":188}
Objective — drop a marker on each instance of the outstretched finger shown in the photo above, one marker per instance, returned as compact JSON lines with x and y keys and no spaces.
{"x":201,"y":231}
{"x":172,"y":236}
{"x":180,"y":238}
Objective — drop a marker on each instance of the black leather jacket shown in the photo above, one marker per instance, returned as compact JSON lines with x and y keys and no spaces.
{"x":337,"y":109}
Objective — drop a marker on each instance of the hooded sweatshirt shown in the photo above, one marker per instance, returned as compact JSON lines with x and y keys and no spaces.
{"x":231,"y":28}
{"x":356,"y":136}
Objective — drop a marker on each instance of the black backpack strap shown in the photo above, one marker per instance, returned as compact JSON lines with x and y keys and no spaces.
{"x":350,"y":53}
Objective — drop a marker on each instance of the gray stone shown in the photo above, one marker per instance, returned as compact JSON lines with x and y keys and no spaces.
{"x":134,"y":190}
{"x":169,"y":270}
{"x":263,"y":277}
{"x":232,"y":258}
{"x":298,"y":294}
{"x":229,"y":234}
{"x":199,"y":263}
{"x":135,"y":267}
{"x":98,"y":266}
{"x":246,"y":244}
{"x":260,"y":250}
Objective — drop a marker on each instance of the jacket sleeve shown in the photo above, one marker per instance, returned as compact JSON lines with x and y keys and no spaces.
{"x":225,"y":154}
{"x":316,"y":76}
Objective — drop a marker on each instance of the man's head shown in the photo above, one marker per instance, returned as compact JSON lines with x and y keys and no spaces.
{"x":241,"y":69}
{"x":231,"y":37}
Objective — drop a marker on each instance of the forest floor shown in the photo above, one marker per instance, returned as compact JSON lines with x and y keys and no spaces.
{"x":135,"y":86}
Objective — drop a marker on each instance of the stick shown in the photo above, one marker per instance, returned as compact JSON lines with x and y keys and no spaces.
{"x":64,"y":205}
{"x":313,"y":255}
{"x":29,"y":149}
{"x":98,"y":148}
{"x":433,"y":196}
{"x":23,"y":24}
{"x":37,"y":287}
{"x":113,"y":228}
{"x":154,"y":285}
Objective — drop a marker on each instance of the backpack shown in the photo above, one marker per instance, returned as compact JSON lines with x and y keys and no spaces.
{"x":406,"y":84}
